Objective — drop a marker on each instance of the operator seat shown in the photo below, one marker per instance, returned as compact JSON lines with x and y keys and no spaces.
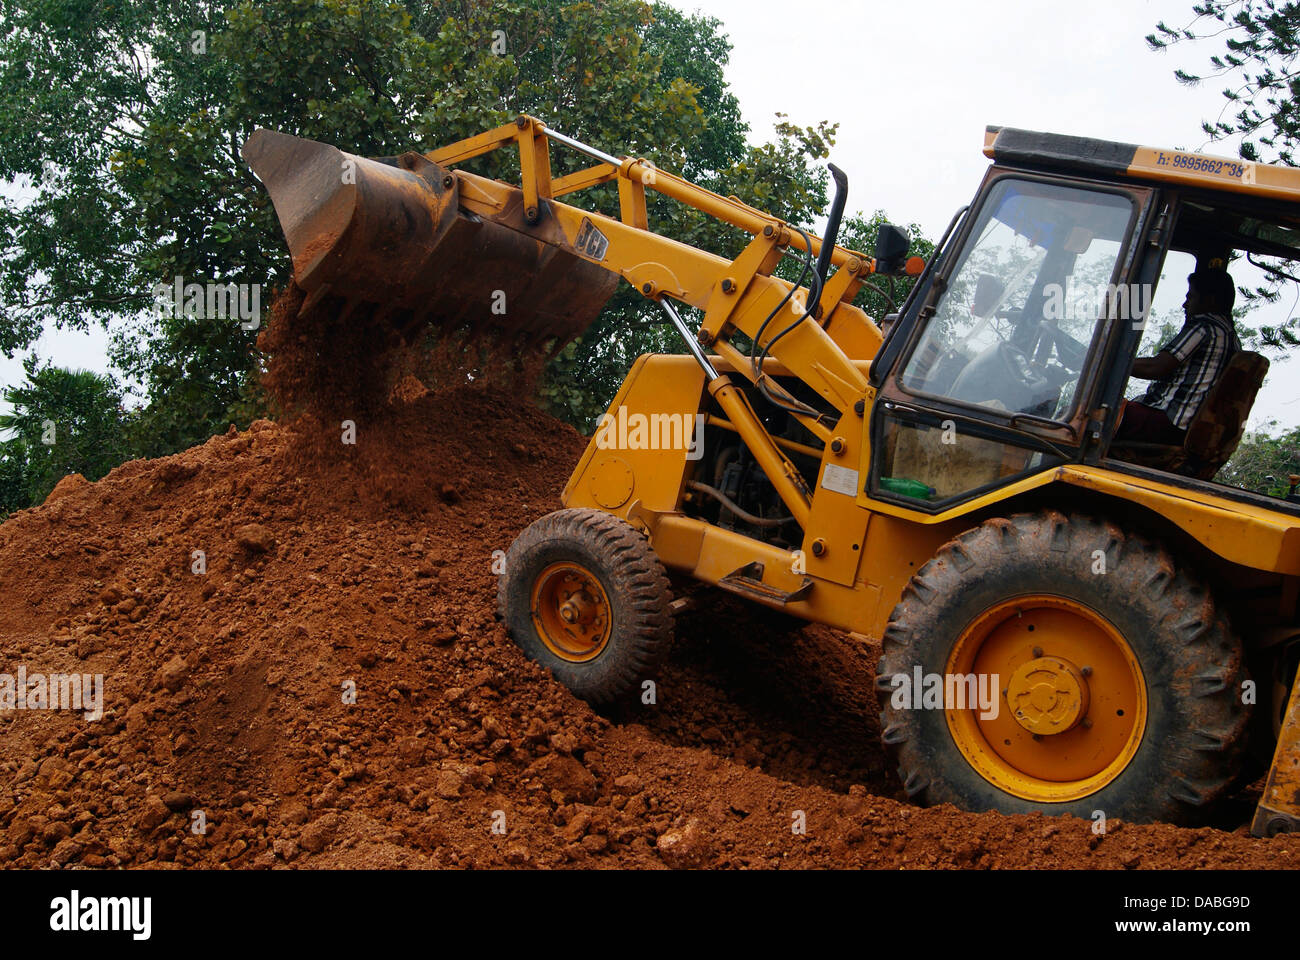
{"x":1214,"y":432}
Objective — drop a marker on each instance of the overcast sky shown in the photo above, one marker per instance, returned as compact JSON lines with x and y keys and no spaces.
{"x":913,"y":85}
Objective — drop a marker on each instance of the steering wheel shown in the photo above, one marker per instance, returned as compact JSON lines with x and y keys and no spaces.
{"x":1001,"y":373}
{"x":1021,"y":368}
{"x":1050,"y":340}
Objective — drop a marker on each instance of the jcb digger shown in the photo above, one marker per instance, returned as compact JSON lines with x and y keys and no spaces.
{"x":1067,"y":623}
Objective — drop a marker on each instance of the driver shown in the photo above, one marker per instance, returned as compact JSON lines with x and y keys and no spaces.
{"x":1186,"y":367}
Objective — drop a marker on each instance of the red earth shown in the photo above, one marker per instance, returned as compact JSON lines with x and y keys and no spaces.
{"x":330,"y":686}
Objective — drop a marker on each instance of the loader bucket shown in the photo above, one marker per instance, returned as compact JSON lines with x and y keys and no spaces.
{"x":393,"y":233}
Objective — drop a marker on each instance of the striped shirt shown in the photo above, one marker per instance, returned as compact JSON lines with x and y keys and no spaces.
{"x":1202,"y":348}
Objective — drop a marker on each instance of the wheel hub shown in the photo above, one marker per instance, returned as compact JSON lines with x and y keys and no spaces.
{"x":577,"y":608}
{"x":1072,"y":707}
{"x":571,"y":612}
{"x":1048,"y":695}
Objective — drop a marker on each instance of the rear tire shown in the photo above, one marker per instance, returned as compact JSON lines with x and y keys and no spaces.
{"x":1158,"y":721}
{"x":584,"y":595}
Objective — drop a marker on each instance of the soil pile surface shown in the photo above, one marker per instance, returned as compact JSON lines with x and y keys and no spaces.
{"x":302,"y":667}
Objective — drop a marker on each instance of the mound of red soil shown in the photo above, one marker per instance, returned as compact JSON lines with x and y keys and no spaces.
{"x":332,"y":688}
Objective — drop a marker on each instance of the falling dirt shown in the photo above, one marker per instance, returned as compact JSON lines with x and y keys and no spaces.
{"x":302,"y":667}
{"x":340,"y":360}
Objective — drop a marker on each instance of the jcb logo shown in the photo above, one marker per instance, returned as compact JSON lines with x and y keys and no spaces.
{"x":591,"y":242}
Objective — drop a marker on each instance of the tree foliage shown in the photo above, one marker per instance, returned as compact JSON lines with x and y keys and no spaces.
{"x":1259,"y":41}
{"x":1263,"y":461}
{"x":123,"y":122}
{"x":62,"y":422}
{"x":127,"y":119}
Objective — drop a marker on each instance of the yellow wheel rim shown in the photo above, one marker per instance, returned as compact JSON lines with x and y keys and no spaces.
{"x":571,"y":612}
{"x":1072,"y":703}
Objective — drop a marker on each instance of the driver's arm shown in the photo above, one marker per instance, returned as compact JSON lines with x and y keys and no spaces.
{"x":1159,"y":367}
{"x":1175,"y":353}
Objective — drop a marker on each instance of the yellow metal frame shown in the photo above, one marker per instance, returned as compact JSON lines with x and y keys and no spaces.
{"x":1279,"y":805}
{"x":1190,"y":168}
{"x":735,"y":295}
{"x":830,"y":355}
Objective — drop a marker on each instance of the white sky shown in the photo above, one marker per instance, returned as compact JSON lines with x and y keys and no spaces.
{"x":913,"y":85}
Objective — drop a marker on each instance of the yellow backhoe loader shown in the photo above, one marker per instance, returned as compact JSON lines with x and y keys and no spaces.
{"x":1068,"y":623}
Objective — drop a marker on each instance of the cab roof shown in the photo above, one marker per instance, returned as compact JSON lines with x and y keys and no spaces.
{"x":1087,"y":155}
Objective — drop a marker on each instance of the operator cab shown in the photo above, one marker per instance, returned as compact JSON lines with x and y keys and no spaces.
{"x":1014,"y":351}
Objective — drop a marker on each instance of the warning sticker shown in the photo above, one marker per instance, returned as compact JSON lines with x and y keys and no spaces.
{"x":840,"y":479}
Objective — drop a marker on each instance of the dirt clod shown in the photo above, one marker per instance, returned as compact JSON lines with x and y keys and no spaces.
{"x":255,"y":538}
{"x":174,"y":673}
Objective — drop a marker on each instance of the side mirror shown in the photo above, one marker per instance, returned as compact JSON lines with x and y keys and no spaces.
{"x":892,"y":244}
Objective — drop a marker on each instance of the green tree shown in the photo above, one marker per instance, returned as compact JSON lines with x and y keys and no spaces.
{"x":127,"y":118}
{"x":1263,"y":461}
{"x":1259,"y":41}
{"x":62,"y":421}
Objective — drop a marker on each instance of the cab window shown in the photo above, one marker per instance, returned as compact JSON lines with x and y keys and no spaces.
{"x":1012,"y":329}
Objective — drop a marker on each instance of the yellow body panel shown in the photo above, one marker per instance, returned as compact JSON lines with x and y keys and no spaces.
{"x":1279,"y":806}
{"x":867,"y":545}
{"x":658,"y":393}
{"x":1239,"y":532}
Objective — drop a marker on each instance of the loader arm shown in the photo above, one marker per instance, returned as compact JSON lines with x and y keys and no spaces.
{"x":413,"y":234}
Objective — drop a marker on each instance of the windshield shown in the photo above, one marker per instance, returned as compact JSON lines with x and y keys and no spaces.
{"x":1012,"y":329}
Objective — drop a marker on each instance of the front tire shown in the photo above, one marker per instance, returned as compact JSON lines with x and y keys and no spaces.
{"x":584,"y":595}
{"x":1118,"y":683}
